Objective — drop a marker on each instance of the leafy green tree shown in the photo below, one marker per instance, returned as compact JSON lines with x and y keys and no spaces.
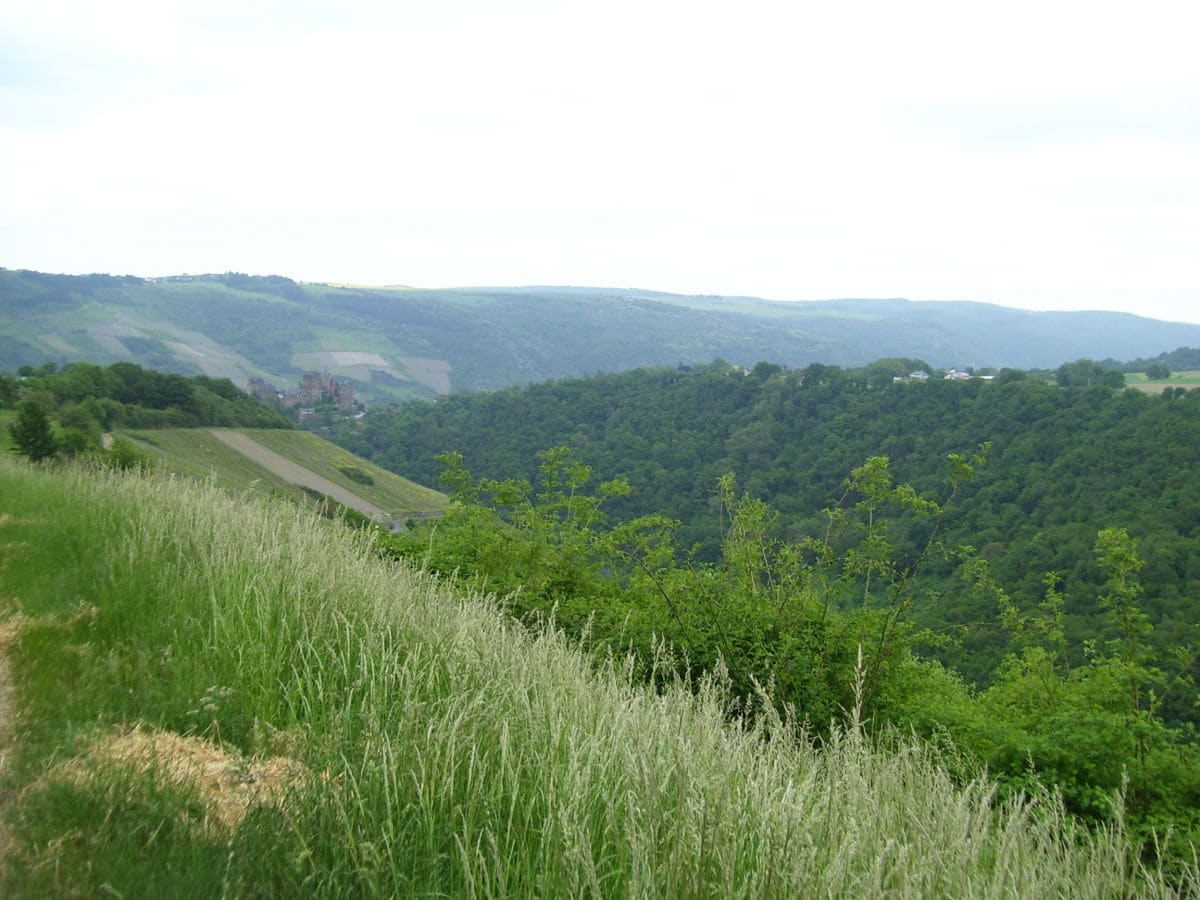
{"x":8,"y":390}
{"x":75,"y":442}
{"x":1113,"y":378}
{"x":105,"y":411}
{"x":1080,"y":373}
{"x":31,"y":433}
{"x":123,"y":454}
{"x":74,"y":415}
{"x":1093,"y":729}
{"x":79,"y":381}
{"x":1157,"y":372}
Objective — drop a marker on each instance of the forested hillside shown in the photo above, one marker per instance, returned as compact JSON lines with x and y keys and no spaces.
{"x":1062,"y":463}
{"x":403,"y":343}
{"x":824,"y":536}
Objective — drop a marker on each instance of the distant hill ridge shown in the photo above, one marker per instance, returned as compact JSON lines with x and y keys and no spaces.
{"x":400,"y":343}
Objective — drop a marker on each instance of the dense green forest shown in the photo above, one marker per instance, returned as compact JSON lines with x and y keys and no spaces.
{"x":1063,"y":463}
{"x":1009,"y":564}
{"x":823,"y":628}
{"x":67,"y":410}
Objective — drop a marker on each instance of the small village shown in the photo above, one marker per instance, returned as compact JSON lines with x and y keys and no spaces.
{"x":951,"y":375}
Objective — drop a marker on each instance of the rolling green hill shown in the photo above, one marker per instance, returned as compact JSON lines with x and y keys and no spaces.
{"x":402,"y":343}
{"x":201,"y":453}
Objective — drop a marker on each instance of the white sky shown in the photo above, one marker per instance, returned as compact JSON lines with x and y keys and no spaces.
{"x":1035,"y":154}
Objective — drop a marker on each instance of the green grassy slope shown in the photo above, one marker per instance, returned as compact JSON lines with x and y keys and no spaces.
{"x":196,"y":453}
{"x":387,"y":490}
{"x":291,"y":717}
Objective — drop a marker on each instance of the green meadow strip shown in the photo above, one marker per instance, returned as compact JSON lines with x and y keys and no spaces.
{"x":230,"y":697}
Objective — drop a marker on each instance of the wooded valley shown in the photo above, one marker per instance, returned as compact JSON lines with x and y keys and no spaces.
{"x":1036,"y":538}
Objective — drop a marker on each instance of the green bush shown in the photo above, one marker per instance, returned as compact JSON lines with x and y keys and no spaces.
{"x":355,"y":474}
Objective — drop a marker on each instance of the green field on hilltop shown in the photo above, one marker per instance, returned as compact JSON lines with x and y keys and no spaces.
{"x":1139,"y":381}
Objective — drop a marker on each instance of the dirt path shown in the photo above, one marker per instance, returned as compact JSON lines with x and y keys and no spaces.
{"x":295,"y":474}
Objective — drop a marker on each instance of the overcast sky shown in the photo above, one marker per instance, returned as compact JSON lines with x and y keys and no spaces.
{"x":1043,"y":154}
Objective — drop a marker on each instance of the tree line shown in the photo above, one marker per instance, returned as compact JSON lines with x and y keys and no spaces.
{"x":66,"y":411}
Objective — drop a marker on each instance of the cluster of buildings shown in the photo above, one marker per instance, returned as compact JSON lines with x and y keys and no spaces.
{"x":951,"y":375}
{"x":314,"y":388}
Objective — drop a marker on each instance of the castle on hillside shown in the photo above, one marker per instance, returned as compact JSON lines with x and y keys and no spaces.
{"x":314,"y":388}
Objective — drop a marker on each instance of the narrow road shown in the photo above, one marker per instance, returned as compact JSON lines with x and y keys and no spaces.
{"x":294,"y":473}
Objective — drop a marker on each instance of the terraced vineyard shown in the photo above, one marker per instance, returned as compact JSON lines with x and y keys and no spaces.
{"x":200,"y":453}
{"x":384,"y":489}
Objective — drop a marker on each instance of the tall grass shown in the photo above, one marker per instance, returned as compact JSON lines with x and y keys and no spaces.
{"x":450,"y":752}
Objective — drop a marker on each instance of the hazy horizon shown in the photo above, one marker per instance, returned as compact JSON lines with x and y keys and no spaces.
{"x":1036,"y":155}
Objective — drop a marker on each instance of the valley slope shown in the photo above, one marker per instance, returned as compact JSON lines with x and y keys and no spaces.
{"x":296,"y":464}
{"x":1063,"y":463}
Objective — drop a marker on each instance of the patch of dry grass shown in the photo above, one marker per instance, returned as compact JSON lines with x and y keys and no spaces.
{"x":11,"y":629}
{"x":16,"y":623}
{"x":227,"y":785}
